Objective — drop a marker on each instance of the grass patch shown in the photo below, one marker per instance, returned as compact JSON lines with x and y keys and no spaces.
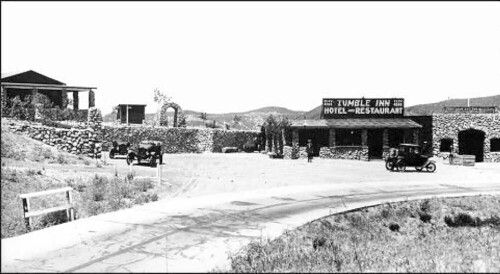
{"x":93,"y":196}
{"x":434,"y":235}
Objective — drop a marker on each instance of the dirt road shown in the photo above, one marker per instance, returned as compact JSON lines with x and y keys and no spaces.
{"x":197,"y":233}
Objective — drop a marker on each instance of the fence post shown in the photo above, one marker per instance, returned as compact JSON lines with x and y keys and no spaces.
{"x":26,"y":208}
{"x":69,"y":212}
{"x":158,"y":172}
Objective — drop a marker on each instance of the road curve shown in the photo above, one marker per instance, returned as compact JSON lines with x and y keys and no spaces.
{"x":198,"y":234}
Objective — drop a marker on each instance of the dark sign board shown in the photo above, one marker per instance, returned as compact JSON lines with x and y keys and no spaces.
{"x":362,"y":108}
{"x":492,"y":109}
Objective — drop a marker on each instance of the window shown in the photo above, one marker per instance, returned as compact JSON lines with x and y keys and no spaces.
{"x":495,"y":144}
{"x":348,"y":137}
{"x":445,"y":145}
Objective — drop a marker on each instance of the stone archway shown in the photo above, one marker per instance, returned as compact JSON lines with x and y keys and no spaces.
{"x":163,"y":113}
{"x":471,"y":142}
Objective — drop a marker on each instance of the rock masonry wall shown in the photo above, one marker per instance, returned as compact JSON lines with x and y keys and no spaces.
{"x":178,"y":140}
{"x":77,"y":141}
{"x":344,"y":152}
{"x":352,"y":153}
{"x":449,"y":125}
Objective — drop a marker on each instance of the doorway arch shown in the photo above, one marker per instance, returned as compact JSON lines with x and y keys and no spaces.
{"x":163,"y":114}
{"x":471,"y":142}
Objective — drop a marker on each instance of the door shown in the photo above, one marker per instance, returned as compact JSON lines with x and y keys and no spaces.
{"x":375,"y":143}
{"x":471,"y":142}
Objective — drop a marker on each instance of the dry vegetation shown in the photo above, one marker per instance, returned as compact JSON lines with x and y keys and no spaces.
{"x":437,"y":235}
{"x":38,"y":167}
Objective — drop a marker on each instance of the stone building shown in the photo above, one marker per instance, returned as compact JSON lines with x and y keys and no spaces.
{"x":469,"y":131}
{"x":360,"y":129}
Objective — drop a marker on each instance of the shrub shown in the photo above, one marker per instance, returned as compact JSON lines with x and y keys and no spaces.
{"x":61,"y":159}
{"x":98,"y":187}
{"x":144,"y":184}
{"x":46,"y":153}
{"x":130,"y":175}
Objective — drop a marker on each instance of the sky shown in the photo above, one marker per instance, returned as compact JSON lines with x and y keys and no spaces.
{"x":219,"y":57}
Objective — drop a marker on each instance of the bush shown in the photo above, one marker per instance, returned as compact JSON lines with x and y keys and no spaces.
{"x":61,"y":159}
{"x":144,"y":184}
{"x":98,"y":187}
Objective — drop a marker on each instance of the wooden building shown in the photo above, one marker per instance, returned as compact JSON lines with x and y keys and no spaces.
{"x":31,"y":82}
{"x":131,"y":113}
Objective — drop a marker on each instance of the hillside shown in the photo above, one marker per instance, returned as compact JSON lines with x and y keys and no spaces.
{"x":427,"y":109}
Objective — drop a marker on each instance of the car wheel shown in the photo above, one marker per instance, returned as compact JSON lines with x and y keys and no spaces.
{"x":111,"y":154}
{"x":152,"y":161}
{"x":130,"y":160}
{"x":431,"y":167}
{"x":388,"y":165}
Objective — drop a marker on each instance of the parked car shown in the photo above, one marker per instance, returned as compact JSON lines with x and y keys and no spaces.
{"x":119,"y":148}
{"x":251,"y":145}
{"x":409,"y":155}
{"x":146,"y":151}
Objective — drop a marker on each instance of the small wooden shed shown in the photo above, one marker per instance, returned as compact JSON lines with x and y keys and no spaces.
{"x":131,"y":113}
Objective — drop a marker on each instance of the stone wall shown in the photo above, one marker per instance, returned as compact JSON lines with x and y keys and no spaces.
{"x":76,"y":141}
{"x":344,"y":152}
{"x":449,"y":125}
{"x":178,"y":140}
{"x":291,"y":152}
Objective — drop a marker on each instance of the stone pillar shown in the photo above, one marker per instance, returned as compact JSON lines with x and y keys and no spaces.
{"x":91,"y":99}
{"x":64,"y":99}
{"x":364,"y":138}
{"x":4,"y":100}
{"x":295,"y":137}
{"x":415,"y":136}
{"x":407,"y":136}
{"x":175,"y":117}
{"x":331,"y":139}
{"x":75,"y":100}
{"x":385,"y":139}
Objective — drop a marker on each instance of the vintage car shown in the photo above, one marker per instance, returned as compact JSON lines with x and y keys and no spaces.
{"x":147,"y":151}
{"x":119,"y":148}
{"x":409,"y":155}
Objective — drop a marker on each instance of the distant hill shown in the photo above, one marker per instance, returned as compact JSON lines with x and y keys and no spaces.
{"x":428,"y":109}
{"x":253,"y":119}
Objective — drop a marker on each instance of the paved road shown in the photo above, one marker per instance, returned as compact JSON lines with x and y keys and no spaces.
{"x":197,"y":234}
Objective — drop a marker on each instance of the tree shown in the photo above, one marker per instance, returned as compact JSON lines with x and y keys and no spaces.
{"x":203,"y":116}
{"x":182,"y":120}
{"x":274,"y":129}
{"x":236,"y":119}
{"x":160,"y":98}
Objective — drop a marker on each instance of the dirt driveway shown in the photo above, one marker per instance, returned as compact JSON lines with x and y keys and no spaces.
{"x":200,"y":174}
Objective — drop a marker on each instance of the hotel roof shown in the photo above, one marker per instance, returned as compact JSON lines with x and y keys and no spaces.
{"x":357,"y":123}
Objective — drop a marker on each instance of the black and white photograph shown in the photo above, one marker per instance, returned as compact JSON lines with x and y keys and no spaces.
{"x":250,"y":136}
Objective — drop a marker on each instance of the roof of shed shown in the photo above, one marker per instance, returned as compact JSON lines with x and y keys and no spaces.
{"x":357,"y":123}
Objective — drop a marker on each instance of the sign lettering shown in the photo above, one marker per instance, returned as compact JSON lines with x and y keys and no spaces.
{"x":363,"y":108}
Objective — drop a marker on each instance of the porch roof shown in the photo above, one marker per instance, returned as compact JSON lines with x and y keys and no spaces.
{"x":45,"y":86}
{"x":357,"y":123}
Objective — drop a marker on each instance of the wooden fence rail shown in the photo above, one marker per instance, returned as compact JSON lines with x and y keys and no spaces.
{"x":25,"y":198}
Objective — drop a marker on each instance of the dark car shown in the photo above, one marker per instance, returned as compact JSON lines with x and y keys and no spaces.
{"x":251,"y":145}
{"x":119,"y":148}
{"x":409,"y":155}
{"x":146,"y":151}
